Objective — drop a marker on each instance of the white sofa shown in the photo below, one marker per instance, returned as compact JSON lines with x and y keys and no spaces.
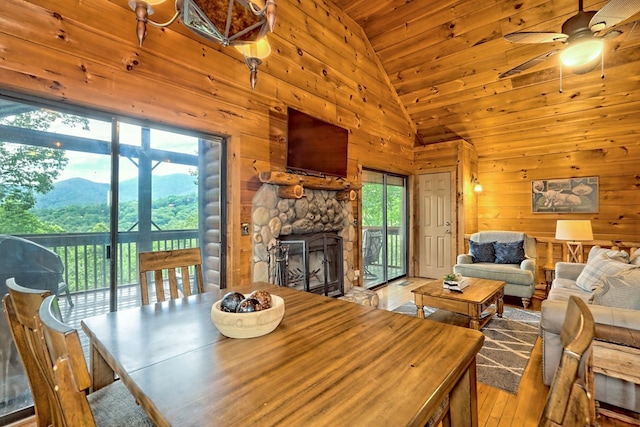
{"x":520,"y":276}
{"x":615,"y":325}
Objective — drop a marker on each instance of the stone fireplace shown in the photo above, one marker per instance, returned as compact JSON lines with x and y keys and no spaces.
{"x":310,"y":212}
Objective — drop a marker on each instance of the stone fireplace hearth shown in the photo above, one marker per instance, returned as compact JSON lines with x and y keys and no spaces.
{"x":315,"y":212}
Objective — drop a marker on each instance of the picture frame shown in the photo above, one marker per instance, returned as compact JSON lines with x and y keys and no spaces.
{"x":565,"y":195}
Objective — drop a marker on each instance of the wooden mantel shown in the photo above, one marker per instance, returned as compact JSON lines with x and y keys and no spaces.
{"x":306,"y":181}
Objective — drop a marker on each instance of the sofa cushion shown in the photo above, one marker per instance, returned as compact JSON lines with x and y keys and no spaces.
{"x":597,"y":268}
{"x":509,"y":252}
{"x":510,"y":273}
{"x":621,"y":256}
{"x":563,"y":293}
{"x":562,"y":283}
{"x":635,"y":258}
{"x":621,"y":290}
{"x":482,"y":252}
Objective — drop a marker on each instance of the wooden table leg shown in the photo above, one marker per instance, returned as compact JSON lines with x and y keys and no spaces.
{"x":500,"y":304}
{"x":474,"y":313}
{"x":474,"y":323}
{"x":419,"y":306}
{"x":463,"y":409}
{"x":101,"y":373}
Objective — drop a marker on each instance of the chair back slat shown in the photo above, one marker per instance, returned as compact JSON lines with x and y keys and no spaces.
{"x":70,"y":374}
{"x":63,"y":340}
{"x":21,"y":306}
{"x":569,"y":401}
{"x":165,"y":266}
{"x":77,"y":411}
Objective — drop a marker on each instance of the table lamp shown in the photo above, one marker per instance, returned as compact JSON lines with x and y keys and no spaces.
{"x":575,"y":232}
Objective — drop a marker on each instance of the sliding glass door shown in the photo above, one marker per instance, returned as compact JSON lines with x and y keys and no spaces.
{"x":80,"y":196}
{"x":384,"y":227}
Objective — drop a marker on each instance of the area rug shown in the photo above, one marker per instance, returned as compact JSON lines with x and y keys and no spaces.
{"x":404,"y":283}
{"x":507,"y":345}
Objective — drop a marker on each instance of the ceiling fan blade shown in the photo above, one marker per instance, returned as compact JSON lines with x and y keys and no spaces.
{"x":536,"y":37}
{"x":613,"y":12}
{"x":530,"y":63}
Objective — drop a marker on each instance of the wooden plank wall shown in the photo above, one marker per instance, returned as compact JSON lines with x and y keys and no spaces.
{"x":506,"y":177}
{"x":86,"y":54}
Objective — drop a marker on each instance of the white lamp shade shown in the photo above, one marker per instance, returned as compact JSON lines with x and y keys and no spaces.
{"x":574,"y":230}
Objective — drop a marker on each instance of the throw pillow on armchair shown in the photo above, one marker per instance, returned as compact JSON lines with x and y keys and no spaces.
{"x":510,"y":252}
{"x":482,"y":252}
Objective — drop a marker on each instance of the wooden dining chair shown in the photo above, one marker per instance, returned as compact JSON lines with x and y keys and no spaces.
{"x":20,"y":308}
{"x":65,"y":364}
{"x":171,"y":262}
{"x":570,"y":401}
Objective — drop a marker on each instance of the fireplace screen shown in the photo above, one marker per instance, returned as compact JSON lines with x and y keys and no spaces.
{"x":312,"y":263}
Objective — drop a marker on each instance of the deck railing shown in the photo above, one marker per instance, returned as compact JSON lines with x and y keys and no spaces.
{"x":395,"y":250}
{"x":85,"y":256}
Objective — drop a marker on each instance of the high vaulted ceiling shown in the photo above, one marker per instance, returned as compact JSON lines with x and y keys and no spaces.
{"x":444,"y":59}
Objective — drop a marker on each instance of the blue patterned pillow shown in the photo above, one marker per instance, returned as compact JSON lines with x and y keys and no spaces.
{"x":482,"y":252}
{"x":509,"y":253}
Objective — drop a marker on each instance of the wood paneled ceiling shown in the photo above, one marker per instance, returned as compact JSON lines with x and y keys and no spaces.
{"x":444,"y":59}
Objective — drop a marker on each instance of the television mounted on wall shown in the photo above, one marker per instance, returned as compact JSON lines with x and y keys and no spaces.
{"x":315,"y":147}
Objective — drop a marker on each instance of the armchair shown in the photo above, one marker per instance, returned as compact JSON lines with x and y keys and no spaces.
{"x":498,"y":255}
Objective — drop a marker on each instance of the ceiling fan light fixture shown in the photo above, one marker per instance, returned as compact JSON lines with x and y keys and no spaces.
{"x":582,"y":53}
{"x":583,"y":33}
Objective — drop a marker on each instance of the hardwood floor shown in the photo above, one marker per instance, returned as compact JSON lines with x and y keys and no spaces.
{"x":496,"y":408}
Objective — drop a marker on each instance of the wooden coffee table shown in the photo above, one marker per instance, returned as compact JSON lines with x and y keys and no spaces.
{"x":473,"y":301}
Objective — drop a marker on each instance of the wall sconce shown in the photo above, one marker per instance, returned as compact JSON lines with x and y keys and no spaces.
{"x":477,"y":187}
{"x":253,"y":54}
{"x":575,"y":231}
{"x":227,"y":22}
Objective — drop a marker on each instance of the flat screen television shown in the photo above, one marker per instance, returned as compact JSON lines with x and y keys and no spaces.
{"x":314,"y":146}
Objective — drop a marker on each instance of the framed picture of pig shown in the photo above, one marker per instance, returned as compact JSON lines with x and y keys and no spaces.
{"x":566,"y":195}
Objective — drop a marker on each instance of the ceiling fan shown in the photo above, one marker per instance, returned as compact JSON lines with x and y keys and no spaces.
{"x":583,"y":34}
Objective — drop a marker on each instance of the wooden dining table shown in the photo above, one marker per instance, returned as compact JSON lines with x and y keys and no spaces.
{"x":329,"y":362}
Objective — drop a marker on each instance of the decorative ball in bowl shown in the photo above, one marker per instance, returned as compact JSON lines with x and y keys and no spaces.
{"x":248,"y":324}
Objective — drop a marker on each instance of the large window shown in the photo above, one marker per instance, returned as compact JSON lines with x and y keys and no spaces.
{"x":87,"y":193}
{"x":384,"y":227}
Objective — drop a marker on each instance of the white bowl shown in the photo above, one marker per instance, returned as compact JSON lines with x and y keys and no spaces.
{"x":248,"y":325}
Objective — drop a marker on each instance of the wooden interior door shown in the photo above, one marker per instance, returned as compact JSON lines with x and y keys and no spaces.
{"x":436,"y":225}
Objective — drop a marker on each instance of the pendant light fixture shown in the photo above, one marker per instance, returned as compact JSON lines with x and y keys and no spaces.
{"x":239,"y":23}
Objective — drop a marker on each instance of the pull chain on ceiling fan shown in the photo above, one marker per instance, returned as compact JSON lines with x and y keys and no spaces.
{"x":584,"y":34}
